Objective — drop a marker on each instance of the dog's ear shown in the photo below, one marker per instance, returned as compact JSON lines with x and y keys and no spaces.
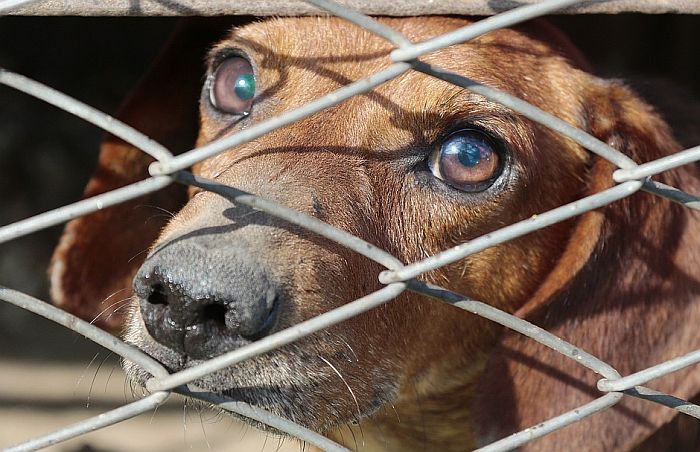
{"x":622,"y":290}
{"x":98,"y":254}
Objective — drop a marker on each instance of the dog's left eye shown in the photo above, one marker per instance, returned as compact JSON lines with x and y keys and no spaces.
{"x":468,"y":160}
{"x":233,"y":86}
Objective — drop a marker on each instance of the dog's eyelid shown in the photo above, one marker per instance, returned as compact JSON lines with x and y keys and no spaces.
{"x":217,"y":56}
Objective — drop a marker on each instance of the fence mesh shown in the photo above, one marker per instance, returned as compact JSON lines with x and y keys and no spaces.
{"x":398,"y":277}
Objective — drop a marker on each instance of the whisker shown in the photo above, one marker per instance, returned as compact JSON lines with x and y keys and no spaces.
{"x":125,"y":305}
{"x":153,"y":217}
{"x":395,"y":412}
{"x":354,"y":438}
{"x":94,"y":377}
{"x":165,"y":211}
{"x":351,"y":350}
{"x":113,"y":294}
{"x":109,"y":377}
{"x":184,"y":422}
{"x":80,"y":379}
{"x":155,"y":410}
{"x":145,"y":250}
{"x":280,"y":441}
{"x":357,"y":405}
{"x":123,"y":300}
{"x":204,"y":431}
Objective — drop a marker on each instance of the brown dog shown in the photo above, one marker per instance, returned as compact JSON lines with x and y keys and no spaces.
{"x":415,"y":166}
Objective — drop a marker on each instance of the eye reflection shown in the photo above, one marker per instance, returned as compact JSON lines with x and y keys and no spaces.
{"x":245,"y":86}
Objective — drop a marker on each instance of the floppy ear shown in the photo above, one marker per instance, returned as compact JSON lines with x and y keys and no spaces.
{"x":625,"y":289}
{"x":98,"y":254}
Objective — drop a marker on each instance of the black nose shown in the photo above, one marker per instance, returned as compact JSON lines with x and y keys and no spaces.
{"x":202,"y":300}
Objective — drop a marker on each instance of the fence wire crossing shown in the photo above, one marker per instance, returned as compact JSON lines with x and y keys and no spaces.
{"x":398,"y":277}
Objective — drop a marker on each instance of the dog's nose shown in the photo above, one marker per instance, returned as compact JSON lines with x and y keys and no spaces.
{"x":203,"y":301}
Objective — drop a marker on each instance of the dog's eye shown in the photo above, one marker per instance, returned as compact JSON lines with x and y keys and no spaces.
{"x":233,"y":86}
{"x":467,"y":160}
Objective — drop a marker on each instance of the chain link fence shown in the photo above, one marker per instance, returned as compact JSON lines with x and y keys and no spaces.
{"x":398,"y":276}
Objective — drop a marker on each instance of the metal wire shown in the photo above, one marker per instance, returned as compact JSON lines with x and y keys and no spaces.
{"x":89,"y":114}
{"x":658,"y":166}
{"x":262,"y":416}
{"x":189,"y":158}
{"x":398,"y":277}
{"x":464,"y":34}
{"x":553,"y":424}
{"x":91,"y":332}
{"x":80,"y":208}
{"x":312,"y":224}
{"x":112,"y":417}
{"x":504,"y":234}
{"x":279,"y":339}
{"x":672,"y":193}
{"x":672,"y":365}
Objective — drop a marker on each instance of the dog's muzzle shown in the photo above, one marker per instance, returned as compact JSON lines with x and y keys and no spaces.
{"x":201,"y":299}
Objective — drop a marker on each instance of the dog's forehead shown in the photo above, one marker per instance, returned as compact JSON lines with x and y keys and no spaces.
{"x":306,"y":57}
{"x":300,"y":42}
{"x":301,"y":59}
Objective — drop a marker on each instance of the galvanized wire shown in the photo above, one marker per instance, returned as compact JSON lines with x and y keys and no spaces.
{"x":672,"y":193}
{"x":80,"y":326}
{"x":398,"y":277}
{"x":149,"y":403}
{"x":506,"y":233}
{"x":111,"y":417}
{"x":189,"y":158}
{"x":363,"y":21}
{"x":523,"y":327}
{"x":658,"y":166}
{"x":89,"y":114}
{"x":566,"y":349}
{"x":308,"y":222}
{"x":262,"y":416}
{"x":553,"y":424}
{"x":80,"y":208}
{"x":680,"y":405}
{"x":464,"y":34}
{"x":643,"y":376}
{"x":279,"y":339}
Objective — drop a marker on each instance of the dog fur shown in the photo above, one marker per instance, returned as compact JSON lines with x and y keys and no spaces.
{"x":620,"y":282}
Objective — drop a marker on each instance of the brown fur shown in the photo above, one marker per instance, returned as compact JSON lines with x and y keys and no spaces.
{"x":621,"y":282}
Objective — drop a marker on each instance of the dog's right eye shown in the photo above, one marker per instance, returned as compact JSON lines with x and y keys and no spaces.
{"x":232,"y":88}
{"x":468,"y":160}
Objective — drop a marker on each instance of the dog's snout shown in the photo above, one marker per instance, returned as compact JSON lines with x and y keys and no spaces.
{"x":203,"y":302}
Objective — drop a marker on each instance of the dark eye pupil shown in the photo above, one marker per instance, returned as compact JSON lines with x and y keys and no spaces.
{"x":469,"y":152}
{"x":245,"y":86}
{"x":468,"y":160}
{"x":469,"y":148}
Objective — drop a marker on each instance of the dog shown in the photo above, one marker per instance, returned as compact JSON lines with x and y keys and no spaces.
{"x":415,"y":166}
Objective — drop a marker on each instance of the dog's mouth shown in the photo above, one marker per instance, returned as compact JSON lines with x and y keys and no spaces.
{"x":197,"y":300}
{"x":295,"y":382}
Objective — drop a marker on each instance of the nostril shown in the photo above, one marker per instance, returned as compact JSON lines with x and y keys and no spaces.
{"x":264,"y":323}
{"x":215,"y":313}
{"x":158,"y":295}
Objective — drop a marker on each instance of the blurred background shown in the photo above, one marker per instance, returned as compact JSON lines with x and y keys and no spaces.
{"x":50,"y":377}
